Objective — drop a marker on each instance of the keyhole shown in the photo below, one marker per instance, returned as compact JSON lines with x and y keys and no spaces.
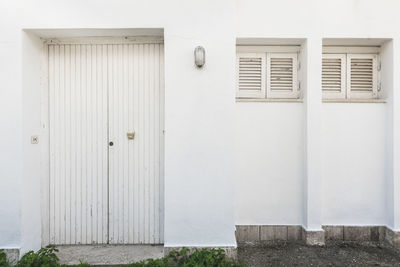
{"x":111,"y":143}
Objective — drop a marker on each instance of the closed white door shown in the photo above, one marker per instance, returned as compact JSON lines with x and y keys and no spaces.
{"x":106,"y":187}
{"x":135,"y":165}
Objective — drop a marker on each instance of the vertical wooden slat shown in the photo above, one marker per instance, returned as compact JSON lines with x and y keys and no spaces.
{"x":121,"y":145}
{"x":73,"y":141}
{"x":84,"y":166}
{"x":111,"y":184}
{"x":150,"y":148}
{"x":131,"y":144}
{"x":89,"y":138}
{"x":105,"y":195}
{"x":146,"y":137}
{"x":136,"y":126}
{"x":94,"y":150}
{"x":115,"y":121}
{"x":125,"y":143}
{"x":62,"y":144}
{"x":78,"y":147}
{"x":161,"y":155}
{"x":57,"y":148}
{"x":97,"y":220}
{"x":157,"y":134}
{"x":141,"y":142}
{"x":67,"y":144}
{"x":52,"y":143}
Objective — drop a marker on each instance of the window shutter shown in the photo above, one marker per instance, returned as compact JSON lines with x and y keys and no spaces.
{"x":251,"y":75}
{"x":282,"y":75}
{"x":362,"y":76}
{"x":333,"y":76}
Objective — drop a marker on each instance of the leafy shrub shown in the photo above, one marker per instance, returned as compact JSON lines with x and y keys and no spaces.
{"x":82,"y":264}
{"x":185,"y":258}
{"x":45,"y":257}
{"x":3,"y":259}
{"x":202,"y":258}
{"x":163,"y":262}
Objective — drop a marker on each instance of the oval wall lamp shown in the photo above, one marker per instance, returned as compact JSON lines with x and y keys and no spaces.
{"x":199,"y":56}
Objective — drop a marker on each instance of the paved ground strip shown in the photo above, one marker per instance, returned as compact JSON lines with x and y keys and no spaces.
{"x":333,"y":254}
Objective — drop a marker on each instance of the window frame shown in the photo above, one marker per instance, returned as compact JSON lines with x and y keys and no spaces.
{"x":266,"y":52}
{"x":354,"y":52}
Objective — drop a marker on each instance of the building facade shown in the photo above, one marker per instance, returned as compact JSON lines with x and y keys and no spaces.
{"x":111,"y":133}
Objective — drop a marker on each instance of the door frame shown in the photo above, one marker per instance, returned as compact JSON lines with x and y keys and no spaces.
{"x":44,"y":122}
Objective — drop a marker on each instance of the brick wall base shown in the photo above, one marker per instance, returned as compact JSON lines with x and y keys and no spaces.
{"x":265,"y":233}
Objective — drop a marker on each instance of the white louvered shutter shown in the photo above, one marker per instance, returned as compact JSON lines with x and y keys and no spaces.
{"x":282,"y":75}
{"x":334,"y":76}
{"x":362,"y":76}
{"x":251,"y":75}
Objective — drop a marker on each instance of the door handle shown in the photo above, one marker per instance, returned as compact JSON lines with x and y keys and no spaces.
{"x":130,"y":135}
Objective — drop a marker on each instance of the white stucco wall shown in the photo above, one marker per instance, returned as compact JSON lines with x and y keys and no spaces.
{"x":11,"y":121}
{"x":356,"y":139}
{"x":33,"y":165}
{"x":199,"y":107}
{"x":226,"y":163}
{"x":269,"y":163}
{"x":353,"y":164}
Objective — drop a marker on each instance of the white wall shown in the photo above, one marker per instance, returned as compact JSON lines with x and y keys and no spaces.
{"x":199,"y":112}
{"x":33,"y":165}
{"x":11,"y":131}
{"x":268,"y":143}
{"x":359,"y":184}
{"x":211,"y":141}
{"x":353,"y":164}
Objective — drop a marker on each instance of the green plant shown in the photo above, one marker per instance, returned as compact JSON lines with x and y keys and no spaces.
{"x":3,"y":259}
{"x":163,"y":262}
{"x":45,"y":257}
{"x":202,"y":258}
{"x":186,"y":258}
{"x":179,"y":257}
{"x":82,"y":264}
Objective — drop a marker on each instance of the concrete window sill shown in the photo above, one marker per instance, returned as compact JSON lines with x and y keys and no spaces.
{"x":280,"y":100}
{"x":354,"y":101}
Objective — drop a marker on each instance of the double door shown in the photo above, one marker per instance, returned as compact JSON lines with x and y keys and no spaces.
{"x":106,"y":117}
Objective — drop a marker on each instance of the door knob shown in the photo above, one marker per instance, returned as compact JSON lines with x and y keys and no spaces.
{"x":130,"y":135}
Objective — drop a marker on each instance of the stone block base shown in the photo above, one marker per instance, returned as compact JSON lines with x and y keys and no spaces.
{"x":265,"y":233}
{"x":313,"y":238}
{"x":354,"y":233}
{"x":262,"y":233}
{"x":393,"y":238}
{"x":12,"y":255}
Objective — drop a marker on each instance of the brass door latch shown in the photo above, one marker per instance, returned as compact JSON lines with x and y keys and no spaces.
{"x":130,"y":135}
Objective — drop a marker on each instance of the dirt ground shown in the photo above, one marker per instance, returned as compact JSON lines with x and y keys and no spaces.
{"x":333,"y":254}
